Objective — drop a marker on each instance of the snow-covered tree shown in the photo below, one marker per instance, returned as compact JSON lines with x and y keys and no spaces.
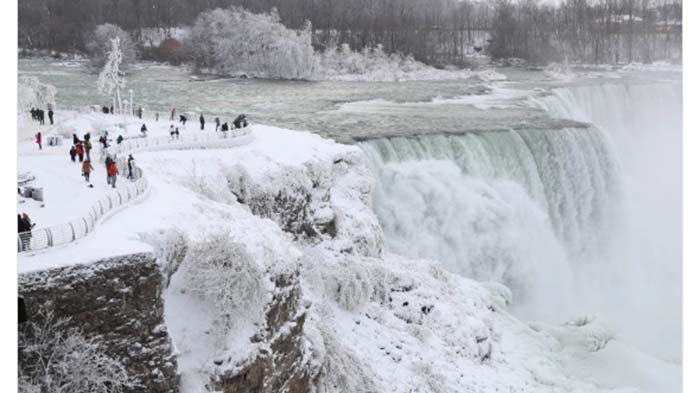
{"x":31,"y":93}
{"x":238,"y":42}
{"x":111,"y":79}
{"x":56,"y":358}
{"x":99,"y":45}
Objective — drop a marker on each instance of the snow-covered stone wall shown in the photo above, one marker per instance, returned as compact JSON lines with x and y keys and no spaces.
{"x":118,"y":301}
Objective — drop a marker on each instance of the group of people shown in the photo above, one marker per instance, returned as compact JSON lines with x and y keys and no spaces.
{"x":240,"y":122}
{"x":81,"y":148}
{"x":39,"y":115}
{"x":108,"y":111}
{"x":24,"y":229}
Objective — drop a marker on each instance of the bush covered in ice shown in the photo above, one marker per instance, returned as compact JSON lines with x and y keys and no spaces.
{"x":238,"y":42}
{"x":56,"y":358}
{"x":223,"y":273}
{"x":99,"y":45}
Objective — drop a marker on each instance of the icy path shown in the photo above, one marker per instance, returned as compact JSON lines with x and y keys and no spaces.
{"x":87,"y":206}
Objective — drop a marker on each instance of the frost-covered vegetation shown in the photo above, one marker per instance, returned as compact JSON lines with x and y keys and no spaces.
{"x":224,"y":274}
{"x":58,"y":358}
{"x":240,"y":43}
{"x":31,"y":93}
{"x":99,"y":45}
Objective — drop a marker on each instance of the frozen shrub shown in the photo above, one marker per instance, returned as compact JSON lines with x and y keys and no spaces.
{"x":56,"y":358}
{"x":350,"y":282}
{"x":222,"y":272}
{"x":238,"y":42}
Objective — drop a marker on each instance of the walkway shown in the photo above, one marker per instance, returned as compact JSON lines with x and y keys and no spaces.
{"x":51,"y":236}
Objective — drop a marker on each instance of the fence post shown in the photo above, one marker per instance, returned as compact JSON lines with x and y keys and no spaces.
{"x":49,"y":237}
{"x":72,"y":231}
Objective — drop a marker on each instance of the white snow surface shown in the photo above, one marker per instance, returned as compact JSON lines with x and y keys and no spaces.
{"x":378,"y":322}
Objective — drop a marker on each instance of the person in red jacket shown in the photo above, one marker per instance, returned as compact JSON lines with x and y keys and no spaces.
{"x":112,"y":173}
{"x":80,"y":151}
{"x":38,"y":139}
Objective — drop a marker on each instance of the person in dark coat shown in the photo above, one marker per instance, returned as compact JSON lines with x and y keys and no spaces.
{"x":183,"y":119}
{"x":75,"y":139}
{"x":130,"y":166}
{"x":140,"y":112}
{"x":72,"y":153}
{"x":111,"y":109}
{"x":108,"y":161}
{"x":201,"y":122}
{"x":33,"y":113}
{"x":240,"y":121}
{"x":120,"y":139}
{"x":24,"y":228}
{"x":144,"y":129}
{"x":41,"y":117}
{"x":218,"y":123}
{"x":105,"y":110}
{"x":224,"y":127}
{"x":51,"y":116}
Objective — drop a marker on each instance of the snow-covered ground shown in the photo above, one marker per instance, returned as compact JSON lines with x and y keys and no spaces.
{"x":378,"y":322}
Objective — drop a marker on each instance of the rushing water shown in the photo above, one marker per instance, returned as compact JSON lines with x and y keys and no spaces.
{"x":569,"y":192}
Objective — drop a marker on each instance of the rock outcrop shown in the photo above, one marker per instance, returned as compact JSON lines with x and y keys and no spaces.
{"x":118,"y":301}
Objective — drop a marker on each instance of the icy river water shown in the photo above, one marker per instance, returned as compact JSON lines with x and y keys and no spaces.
{"x":568,"y":191}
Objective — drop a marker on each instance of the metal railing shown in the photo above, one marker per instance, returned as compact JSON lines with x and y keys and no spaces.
{"x":38,"y":239}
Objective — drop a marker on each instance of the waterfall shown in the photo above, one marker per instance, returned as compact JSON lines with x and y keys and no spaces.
{"x":573,"y":220}
{"x":569,"y":173}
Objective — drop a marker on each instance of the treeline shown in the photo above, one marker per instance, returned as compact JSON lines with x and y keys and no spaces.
{"x":433,"y":31}
{"x":602,"y":31}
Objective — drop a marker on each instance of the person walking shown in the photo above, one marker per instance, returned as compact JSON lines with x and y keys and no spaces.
{"x":75,"y":140}
{"x":224,"y":127}
{"x":111,"y":109}
{"x":41,"y":117}
{"x":24,"y":229}
{"x":80,"y":151}
{"x":120,"y":139}
{"x":112,"y":173}
{"x":156,"y":116}
{"x":144,"y":130}
{"x":88,"y":147}
{"x":38,"y":139}
{"x":140,"y":112}
{"x":87,"y":168}
{"x":72,"y":153}
{"x":183,"y":119}
{"x":218,"y":123}
{"x":201,"y":122}
{"x":130,"y":166}
{"x":51,"y":116}
{"x":172,"y":115}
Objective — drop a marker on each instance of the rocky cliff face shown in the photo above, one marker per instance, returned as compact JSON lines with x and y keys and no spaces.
{"x":119,"y":302}
{"x":279,"y":362}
